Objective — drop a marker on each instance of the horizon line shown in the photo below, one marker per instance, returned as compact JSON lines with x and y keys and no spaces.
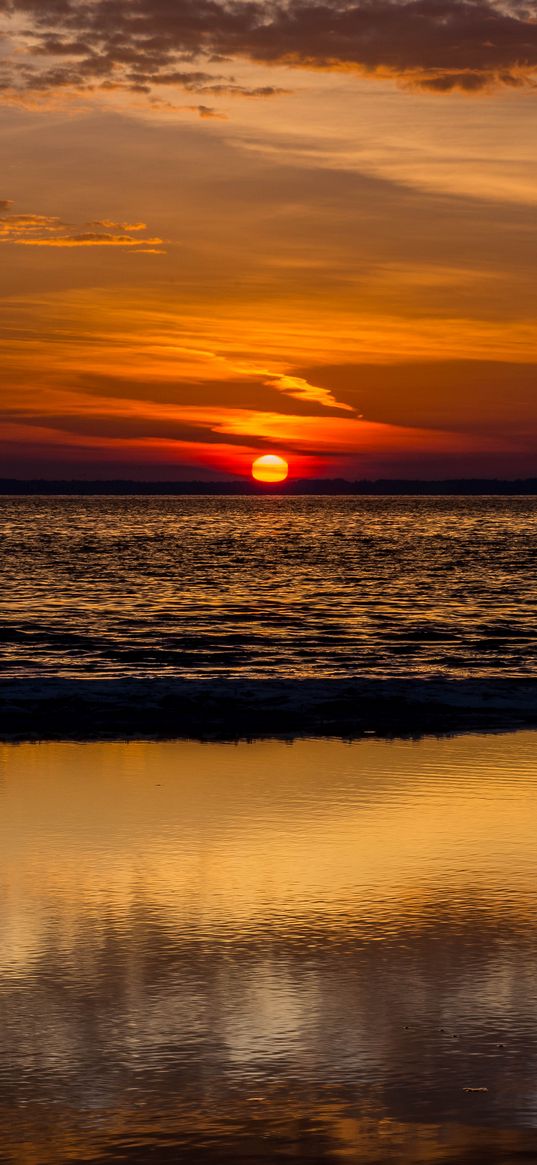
{"x":293,"y":486}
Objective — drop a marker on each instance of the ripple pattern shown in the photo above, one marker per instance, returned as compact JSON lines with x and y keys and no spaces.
{"x":262,"y":587}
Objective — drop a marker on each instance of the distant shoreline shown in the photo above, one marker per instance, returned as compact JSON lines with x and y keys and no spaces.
{"x":298,"y":487}
{"x":249,"y":709}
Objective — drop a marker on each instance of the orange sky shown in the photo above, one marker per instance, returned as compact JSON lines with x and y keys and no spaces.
{"x":221,"y":239}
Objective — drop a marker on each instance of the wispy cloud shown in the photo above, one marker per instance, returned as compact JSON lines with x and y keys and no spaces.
{"x":40,"y":230}
{"x":207,"y":112}
{"x":87,"y":240}
{"x":108,"y":225}
{"x":18,"y":226}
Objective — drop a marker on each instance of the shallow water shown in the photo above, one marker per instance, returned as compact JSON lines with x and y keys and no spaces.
{"x":268,"y":586}
{"x":269,"y":952}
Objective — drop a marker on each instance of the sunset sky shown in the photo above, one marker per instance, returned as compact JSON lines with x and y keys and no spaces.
{"x":230,"y":229}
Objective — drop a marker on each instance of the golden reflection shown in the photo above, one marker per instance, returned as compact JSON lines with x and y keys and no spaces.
{"x":324,"y":1126}
{"x":251,"y":836}
{"x":217,"y":950}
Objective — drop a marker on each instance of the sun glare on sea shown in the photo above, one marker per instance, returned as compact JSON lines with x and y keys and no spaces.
{"x":270,"y":468}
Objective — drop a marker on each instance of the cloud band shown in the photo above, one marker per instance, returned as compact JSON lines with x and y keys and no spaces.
{"x":138,"y":44}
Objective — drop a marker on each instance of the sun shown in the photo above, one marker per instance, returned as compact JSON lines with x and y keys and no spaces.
{"x":270,"y":468}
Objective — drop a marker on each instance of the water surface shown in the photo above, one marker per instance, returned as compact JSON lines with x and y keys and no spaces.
{"x":269,"y":952}
{"x":259,"y":587}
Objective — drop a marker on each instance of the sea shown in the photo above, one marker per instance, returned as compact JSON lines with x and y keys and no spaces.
{"x":267,"y":947}
{"x":266,"y":587}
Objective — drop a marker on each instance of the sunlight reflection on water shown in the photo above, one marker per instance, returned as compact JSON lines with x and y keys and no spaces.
{"x":251,"y":586}
{"x":269,"y":951}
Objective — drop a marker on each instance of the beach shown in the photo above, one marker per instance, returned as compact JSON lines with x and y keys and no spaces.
{"x":268,"y":782}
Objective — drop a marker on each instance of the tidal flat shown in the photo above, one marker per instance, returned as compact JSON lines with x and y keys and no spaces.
{"x":317,"y":951}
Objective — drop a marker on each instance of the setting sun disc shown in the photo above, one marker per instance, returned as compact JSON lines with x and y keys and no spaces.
{"x":270,"y":468}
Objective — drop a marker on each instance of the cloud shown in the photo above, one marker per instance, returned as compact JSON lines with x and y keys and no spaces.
{"x":15,"y":226}
{"x":301,"y":389}
{"x":86,"y":240}
{"x":233,"y":90}
{"x":41,"y":230}
{"x":260,"y":391}
{"x":207,"y":112}
{"x":125,"y":427}
{"x":472,"y":396}
{"x":108,"y":225}
{"x":438,"y":45}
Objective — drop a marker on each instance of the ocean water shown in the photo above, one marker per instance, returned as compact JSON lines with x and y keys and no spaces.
{"x":268,"y":586}
{"x":319,"y":952}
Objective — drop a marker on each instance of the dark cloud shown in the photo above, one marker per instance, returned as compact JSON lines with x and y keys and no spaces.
{"x":435,"y":44}
{"x":478,"y":396}
{"x":96,"y":414}
{"x":207,"y":112}
{"x":252,"y":393}
{"x":125,"y":428}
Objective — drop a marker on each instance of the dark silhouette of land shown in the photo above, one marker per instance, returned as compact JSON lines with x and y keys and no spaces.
{"x":131,"y":708}
{"x":294,"y":487}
